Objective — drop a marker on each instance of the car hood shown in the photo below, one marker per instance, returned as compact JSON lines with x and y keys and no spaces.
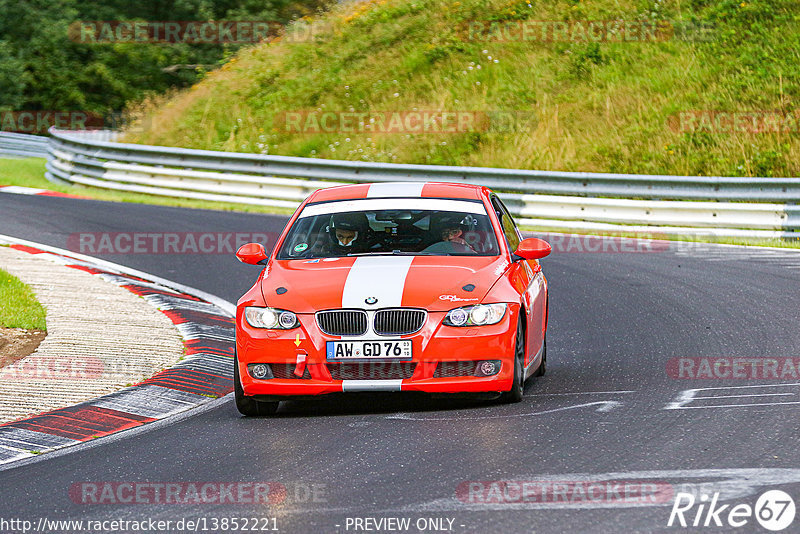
{"x":436,"y":283}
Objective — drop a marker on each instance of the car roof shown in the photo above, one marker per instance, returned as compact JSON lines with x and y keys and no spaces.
{"x":399,"y":190}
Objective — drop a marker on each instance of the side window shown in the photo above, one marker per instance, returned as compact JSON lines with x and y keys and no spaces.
{"x":509,"y":228}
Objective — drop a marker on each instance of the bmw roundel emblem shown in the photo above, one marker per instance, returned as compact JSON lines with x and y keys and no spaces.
{"x":371,"y":300}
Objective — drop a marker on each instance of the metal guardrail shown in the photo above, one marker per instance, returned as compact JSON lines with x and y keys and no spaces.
{"x":34,"y":146}
{"x":722,"y":206}
{"x":528,"y":181}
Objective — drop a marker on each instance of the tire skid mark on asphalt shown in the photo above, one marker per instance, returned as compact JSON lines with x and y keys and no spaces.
{"x":205,"y":372}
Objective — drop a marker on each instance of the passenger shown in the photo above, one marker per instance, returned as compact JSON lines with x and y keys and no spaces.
{"x":451,"y":230}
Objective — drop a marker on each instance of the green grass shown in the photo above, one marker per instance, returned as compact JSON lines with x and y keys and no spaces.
{"x":603,"y":107}
{"x":29,"y":172}
{"x":18,"y":305}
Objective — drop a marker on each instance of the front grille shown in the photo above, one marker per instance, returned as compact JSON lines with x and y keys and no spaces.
{"x":286,"y":370}
{"x":342,"y":322}
{"x":371,"y":370}
{"x":453,"y":369}
{"x":398,"y":321}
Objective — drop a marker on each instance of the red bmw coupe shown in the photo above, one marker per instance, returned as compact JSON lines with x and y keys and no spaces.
{"x":392,"y":287}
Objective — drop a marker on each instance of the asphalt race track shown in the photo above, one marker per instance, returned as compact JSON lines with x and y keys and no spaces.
{"x":607,"y":410}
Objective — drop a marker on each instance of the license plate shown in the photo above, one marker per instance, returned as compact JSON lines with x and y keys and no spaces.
{"x":352,"y":350}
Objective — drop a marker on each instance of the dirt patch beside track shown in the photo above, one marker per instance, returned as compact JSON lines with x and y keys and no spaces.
{"x":16,"y":343}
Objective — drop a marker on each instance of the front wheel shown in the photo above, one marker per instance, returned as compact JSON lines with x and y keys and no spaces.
{"x":247,"y":405}
{"x":515,"y":393}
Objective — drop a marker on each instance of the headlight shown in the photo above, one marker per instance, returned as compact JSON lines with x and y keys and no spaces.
{"x":478,"y":315}
{"x":270,"y":318}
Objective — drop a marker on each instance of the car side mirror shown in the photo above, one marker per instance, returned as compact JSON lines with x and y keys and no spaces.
{"x":532,"y":249}
{"x":252,"y":253}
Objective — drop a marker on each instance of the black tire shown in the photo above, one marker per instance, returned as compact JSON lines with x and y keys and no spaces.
{"x":543,"y":366}
{"x":247,"y":405}
{"x":517,"y":387}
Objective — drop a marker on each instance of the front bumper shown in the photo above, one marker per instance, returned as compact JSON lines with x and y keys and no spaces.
{"x":434,"y":344}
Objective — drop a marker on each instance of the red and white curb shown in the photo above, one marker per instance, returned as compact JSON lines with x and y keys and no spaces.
{"x":205,"y":372}
{"x":20,"y":190}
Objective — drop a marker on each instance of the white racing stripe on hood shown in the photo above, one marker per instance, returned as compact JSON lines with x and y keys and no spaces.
{"x":382,"y":277}
{"x":396,"y":189}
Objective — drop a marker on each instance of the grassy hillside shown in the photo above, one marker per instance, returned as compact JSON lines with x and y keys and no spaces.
{"x":590,"y":106}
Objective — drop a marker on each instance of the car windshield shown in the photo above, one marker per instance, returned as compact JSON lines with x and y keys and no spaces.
{"x":414,"y":226}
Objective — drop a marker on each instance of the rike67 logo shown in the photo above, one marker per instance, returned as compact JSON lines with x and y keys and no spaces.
{"x":774,"y":510}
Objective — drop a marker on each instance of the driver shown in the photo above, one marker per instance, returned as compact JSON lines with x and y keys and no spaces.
{"x":346,"y":234}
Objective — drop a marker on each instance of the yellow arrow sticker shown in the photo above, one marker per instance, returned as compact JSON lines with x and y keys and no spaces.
{"x":297,"y":340}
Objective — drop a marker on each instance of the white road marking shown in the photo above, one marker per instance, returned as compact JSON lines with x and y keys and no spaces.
{"x":604,"y":406}
{"x":752,"y":395}
{"x":735,"y":405}
{"x":580,"y":393}
{"x":19,"y":190}
{"x":689,"y":396}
